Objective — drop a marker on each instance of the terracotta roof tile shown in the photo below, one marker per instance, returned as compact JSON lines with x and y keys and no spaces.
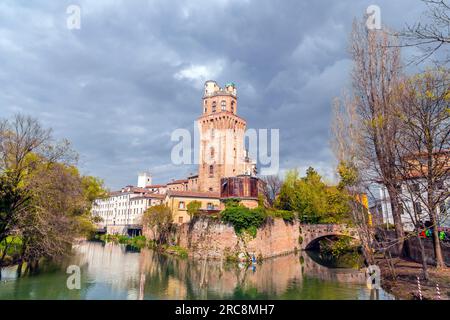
{"x":193,"y":194}
{"x":178,"y":181}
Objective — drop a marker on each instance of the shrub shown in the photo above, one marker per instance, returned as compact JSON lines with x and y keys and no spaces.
{"x":177,"y":250}
{"x":123,"y":239}
{"x":243,"y":218}
{"x":138,"y":242}
{"x":287,"y":215}
{"x":232,"y":257}
{"x":339,"y":247}
{"x":252,"y":230}
{"x":231,"y":202}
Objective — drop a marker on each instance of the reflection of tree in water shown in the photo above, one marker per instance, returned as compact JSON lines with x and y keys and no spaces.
{"x":158,"y":270}
{"x":109,"y":272}
{"x":212,"y":279}
{"x":49,"y":283}
{"x":314,"y":267}
{"x":348,"y":260}
{"x":279,"y":277}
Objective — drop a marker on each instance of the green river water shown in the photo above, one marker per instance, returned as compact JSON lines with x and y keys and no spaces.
{"x":111,"y":271}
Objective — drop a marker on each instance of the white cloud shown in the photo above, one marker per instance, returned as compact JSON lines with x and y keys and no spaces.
{"x":198,"y":73}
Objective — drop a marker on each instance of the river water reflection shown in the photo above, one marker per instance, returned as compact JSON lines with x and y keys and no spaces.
{"x":110,"y":271}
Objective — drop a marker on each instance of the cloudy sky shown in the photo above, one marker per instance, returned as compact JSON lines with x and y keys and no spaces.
{"x":134,"y":72}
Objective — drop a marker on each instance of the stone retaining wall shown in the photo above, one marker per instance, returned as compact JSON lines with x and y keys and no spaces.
{"x":216,"y":240}
{"x":412,"y":250}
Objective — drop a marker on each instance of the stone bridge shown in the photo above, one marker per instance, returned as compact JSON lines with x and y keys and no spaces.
{"x":310,"y":234}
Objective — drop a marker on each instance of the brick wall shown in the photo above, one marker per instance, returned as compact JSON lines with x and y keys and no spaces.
{"x":216,"y":240}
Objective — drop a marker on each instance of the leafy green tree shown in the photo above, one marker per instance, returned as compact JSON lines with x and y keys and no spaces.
{"x":315,"y":201}
{"x":193,"y":208}
{"x":56,"y":215}
{"x":93,"y":188}
{"x":287,"y":190}
{"x":159,"y":219}
{"x":44,"y":201}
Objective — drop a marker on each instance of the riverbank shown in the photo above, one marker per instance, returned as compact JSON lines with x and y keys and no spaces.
{"x":141,"y":242}
{"x":404,"y":284}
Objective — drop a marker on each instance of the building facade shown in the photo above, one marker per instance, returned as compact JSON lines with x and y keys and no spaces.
{"x":414,"y":208}
{"x":222,"y":152}
{"x":121,"y":212}
{"x":177,"y":201}
{"x":178,"y":185}
{"x":222,"y":155}
{"x":414,"y":191}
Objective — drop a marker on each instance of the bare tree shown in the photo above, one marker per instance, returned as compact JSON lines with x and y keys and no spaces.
{"x":271,"y":188}
{"x":432,"y":35}
{"x":424,"y":150}
{"x":346,"y":144}
{"x":365,"y":126}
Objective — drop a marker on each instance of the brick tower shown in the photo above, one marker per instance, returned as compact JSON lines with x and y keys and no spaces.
{"x":222,"y":152}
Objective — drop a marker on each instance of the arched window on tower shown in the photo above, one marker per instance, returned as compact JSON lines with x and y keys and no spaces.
{"x":214,"y":106}
{"x":232,"y":106}
{"x":211,"y":170}
{"x":223,"y":105}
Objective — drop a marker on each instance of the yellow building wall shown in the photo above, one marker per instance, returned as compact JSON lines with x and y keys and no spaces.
{"x":180,"y":215}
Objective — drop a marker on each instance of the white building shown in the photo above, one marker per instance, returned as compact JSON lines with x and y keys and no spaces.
{"x":138,"y":205}
{"x":412,"y":204}
{"x":121,"y":212}
{"x":144,"y":179}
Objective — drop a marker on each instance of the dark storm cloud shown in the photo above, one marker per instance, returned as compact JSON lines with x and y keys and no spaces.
{"x":133,"y":73}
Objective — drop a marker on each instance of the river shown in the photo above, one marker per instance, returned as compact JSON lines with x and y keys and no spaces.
{"x":111,"y":271}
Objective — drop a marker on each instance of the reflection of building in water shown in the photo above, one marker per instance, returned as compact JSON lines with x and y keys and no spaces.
{"x":157,"y":269}
{"x":114,"y":273}
{"x":213,"y":279}
{"x":176,"y":289}
{"x":275,"y":275}
{"x":109,"y":264}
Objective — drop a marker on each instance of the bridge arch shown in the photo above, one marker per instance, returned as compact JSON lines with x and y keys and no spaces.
{"x":311,"y":234}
